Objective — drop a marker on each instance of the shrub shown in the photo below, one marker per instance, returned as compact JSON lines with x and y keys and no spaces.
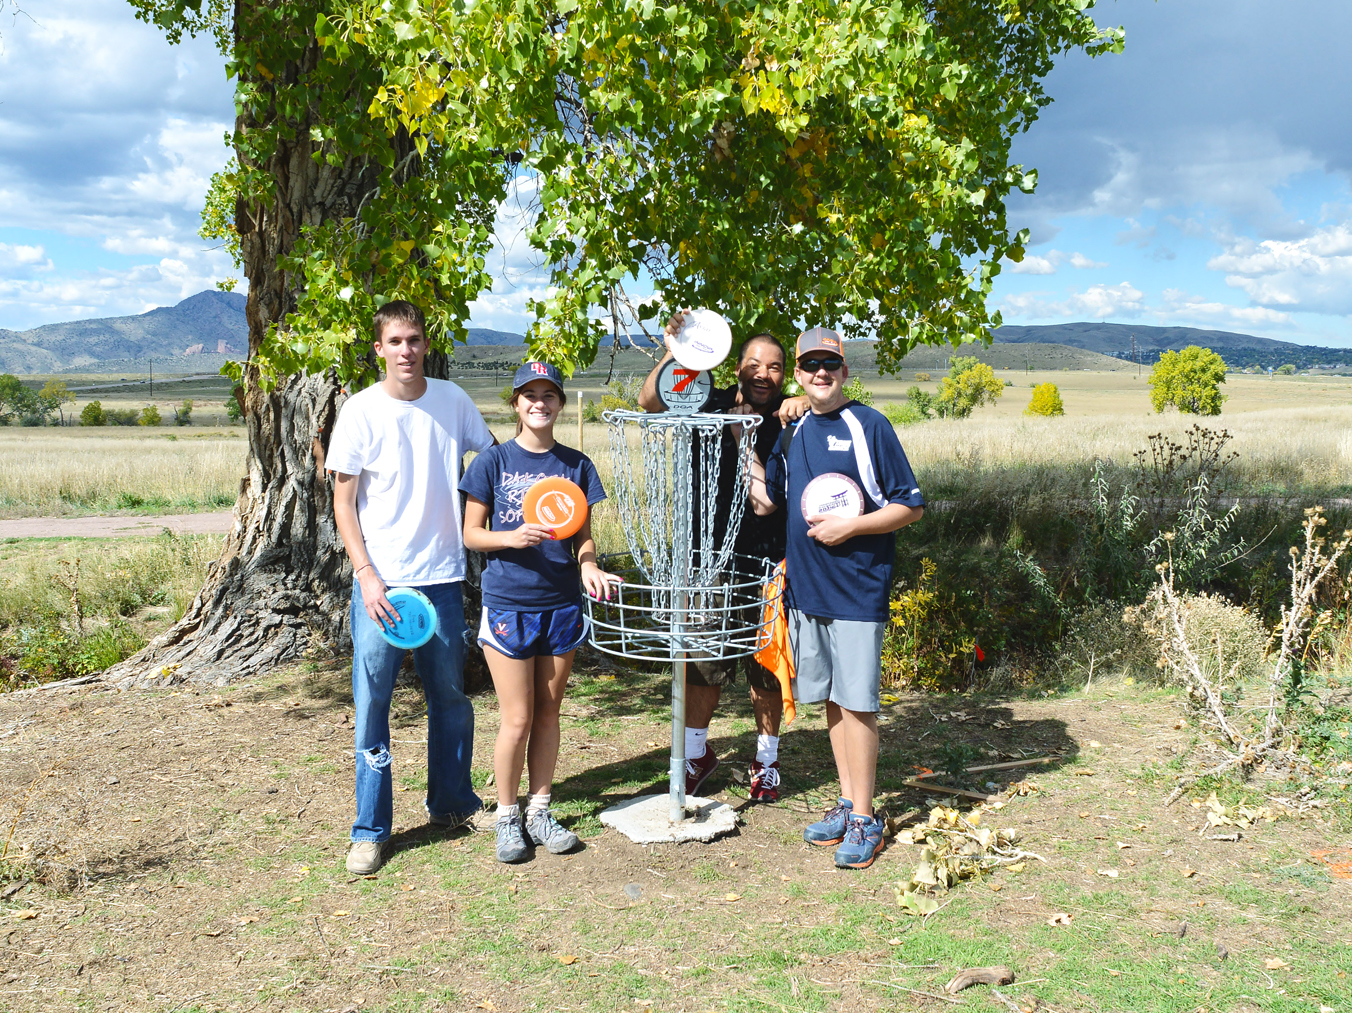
{"x":1046,"y":401}
{"x":122,"y":416}
{"x":1189,"y":380}
{"x":902,"y":414}
{"x":921,"y":400}
{"x":620,"y":394}
{"x":1219,"y":633}
{"x":232,"y":409}
{"x":1287,"y":370}
{"x":183,"y":415}
{"x":923,"y":377}
{"x":150,"y":416}
{"x":856,"y":391}
{"x":968,"y":385}
{"x":92,"y":415}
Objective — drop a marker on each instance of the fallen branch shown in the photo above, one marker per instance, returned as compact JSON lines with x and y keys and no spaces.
{"x":999,"y":975}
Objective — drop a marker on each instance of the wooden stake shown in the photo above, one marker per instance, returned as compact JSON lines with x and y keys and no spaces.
{"x":581,"y":405}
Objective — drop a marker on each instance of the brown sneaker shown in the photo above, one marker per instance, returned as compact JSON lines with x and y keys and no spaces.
{"x":698,"y":771}
{"x":364,"y":857}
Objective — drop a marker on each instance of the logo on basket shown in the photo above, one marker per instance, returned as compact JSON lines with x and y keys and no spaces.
{"x":555,"y":508}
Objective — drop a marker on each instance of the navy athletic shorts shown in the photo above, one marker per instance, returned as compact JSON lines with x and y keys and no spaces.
{"x":524,"y":635}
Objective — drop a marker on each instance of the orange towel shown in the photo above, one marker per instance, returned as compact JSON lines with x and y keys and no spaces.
{"x":777,"y":655}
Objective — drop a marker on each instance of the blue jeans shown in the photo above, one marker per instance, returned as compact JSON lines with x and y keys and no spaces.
{"x":450,"y":715}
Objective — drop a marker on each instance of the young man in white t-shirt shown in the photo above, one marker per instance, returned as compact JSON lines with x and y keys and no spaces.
{"x":397,"y":450}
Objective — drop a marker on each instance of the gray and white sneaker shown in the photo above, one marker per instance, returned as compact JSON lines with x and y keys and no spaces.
{"x":544,"y":829}
{"x":511,"y":845}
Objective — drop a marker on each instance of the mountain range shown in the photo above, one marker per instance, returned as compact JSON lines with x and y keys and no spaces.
{"x":209,"y":327}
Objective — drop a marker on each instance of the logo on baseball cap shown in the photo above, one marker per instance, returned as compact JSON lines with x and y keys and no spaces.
{"x":537,"y":371}
{"x":819,"y":339}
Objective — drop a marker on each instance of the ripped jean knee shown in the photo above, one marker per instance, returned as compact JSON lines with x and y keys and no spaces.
{"x":377,"y":757}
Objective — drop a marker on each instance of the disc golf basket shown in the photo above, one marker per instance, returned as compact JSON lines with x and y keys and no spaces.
{"x":685,"y":593}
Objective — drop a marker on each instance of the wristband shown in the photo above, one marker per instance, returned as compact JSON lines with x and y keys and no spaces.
{"x":360,"y":569}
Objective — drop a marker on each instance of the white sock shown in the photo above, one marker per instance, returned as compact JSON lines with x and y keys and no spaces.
{"x":508,"y":811}
{"x":694,"y":742}
{"x":537,"y":802}
{"x":767,"y":749}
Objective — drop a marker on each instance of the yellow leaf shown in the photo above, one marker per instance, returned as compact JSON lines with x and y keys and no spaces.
{"x":732,"y":897}
{"x":340,"y":913}
{"x":1115,"y":974}
{"x":27,"y":914}
{"x":295,"y":900}
{"x":1189,"y":872}
{"x":1060,"y":918}
{"x":246,"y":920}
{"x":1275,"y":963}
{"x":568,"y":958}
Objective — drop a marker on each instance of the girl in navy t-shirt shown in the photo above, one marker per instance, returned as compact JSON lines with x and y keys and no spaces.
{"x":533,"y":620}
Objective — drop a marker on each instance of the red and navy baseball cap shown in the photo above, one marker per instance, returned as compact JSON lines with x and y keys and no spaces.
{"x":532,"y":371}
{"x":819,"y":339}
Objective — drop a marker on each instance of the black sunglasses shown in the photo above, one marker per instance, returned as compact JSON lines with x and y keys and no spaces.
{"x":831,"y":364}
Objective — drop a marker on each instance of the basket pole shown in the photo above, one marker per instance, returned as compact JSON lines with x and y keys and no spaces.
{"x":681,"y":480}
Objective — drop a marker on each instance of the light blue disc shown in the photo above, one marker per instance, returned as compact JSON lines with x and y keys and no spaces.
{"x":417,"y":618}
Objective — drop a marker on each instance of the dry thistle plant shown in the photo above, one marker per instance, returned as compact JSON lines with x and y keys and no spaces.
{"x":1243,"y":745}
{"x":957,"y":847}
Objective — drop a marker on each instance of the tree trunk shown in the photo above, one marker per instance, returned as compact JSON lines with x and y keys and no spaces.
{"x":283,"y":582}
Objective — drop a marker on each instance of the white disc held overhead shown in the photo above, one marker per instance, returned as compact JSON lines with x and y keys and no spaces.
{"x":703,"y":342}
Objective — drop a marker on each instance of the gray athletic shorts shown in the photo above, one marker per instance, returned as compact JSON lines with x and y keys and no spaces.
{"x":838,"y":660}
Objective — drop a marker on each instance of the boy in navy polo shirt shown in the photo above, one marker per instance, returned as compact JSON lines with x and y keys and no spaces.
{"x":839,"y":575}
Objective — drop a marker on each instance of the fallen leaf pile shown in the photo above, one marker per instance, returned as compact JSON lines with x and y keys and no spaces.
{"x":1221,"y":815}
{"x":957,"y":847}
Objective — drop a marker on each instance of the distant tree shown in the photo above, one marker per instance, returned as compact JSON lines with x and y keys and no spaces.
{"x":232,"y":409}
{"x":969,"y":384}
{"x":1189,"y":380}
{"x":921,"y":400}
{"x":923,"y":377}
{"x":150,"y":416}
{"x":54,"y":397}
{"x":92,"y":415}
{"x":183,"y":415}
{"x":1046,"y":401}
{"x":1288,"y":370}
{"x":856,"y":391}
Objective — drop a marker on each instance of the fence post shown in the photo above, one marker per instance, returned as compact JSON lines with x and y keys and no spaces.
{"x":581,"y":409}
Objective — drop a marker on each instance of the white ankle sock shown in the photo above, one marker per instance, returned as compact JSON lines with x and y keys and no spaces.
{"x":767,"y":749}
{"x":537,"y":802}
{"x":695,"y":739}
{"x":508,"y":810}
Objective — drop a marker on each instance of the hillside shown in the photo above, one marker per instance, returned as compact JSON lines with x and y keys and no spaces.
{"x":1238,"y":350}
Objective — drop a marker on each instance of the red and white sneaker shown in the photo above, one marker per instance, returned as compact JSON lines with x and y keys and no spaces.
{"x":764,"y":782}
{"x":698,"y":771}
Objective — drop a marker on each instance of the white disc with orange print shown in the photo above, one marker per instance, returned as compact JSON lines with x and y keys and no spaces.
{"x":555,"y":503}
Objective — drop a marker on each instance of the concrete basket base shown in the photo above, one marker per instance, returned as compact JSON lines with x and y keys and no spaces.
{"x":646,"y":820}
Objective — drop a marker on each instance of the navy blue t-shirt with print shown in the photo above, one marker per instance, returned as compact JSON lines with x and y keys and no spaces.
{"x":545,"y":576}
{"x":850,"y":580}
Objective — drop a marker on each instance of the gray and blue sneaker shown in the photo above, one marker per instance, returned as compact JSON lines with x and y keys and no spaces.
{"x":863,"y":841}
{"x":543,"y":828}
{"x":830,"y":829}
{"x":511,"y":845}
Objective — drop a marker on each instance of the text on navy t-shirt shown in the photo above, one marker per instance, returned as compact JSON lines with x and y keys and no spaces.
{"x":850,"y":580}
{"x":545,"y":576}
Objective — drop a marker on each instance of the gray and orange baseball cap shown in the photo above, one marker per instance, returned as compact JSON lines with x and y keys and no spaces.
{"x":818,"y":339}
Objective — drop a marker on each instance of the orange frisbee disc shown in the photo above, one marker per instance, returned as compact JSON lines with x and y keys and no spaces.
{"x":556,"y":503}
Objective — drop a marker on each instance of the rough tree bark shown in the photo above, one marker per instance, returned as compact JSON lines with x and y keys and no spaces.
{"x":282,"y":583}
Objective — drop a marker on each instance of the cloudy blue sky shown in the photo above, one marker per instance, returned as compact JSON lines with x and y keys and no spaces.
{"x":1202,"y":178}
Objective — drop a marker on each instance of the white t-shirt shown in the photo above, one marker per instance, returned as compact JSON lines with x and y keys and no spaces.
{"x":407,"y":456}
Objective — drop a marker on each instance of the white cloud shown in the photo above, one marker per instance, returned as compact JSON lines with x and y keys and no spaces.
{"x":1034,"y":264}
{"x":1313,"y":274}
{"x":1083,"y":263}
{"x":20,"y":258}
{"x":1097,"y":302}
{"x":1180,"y":306}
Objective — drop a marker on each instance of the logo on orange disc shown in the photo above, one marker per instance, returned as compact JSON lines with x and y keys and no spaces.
{"x":556,"y":503}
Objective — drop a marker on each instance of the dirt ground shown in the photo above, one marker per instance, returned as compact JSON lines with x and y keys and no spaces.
{"x":188,"y":850}
{"x":98,"y":526}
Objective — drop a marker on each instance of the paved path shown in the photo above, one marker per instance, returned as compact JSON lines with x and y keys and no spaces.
{"x":115,"y":527}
